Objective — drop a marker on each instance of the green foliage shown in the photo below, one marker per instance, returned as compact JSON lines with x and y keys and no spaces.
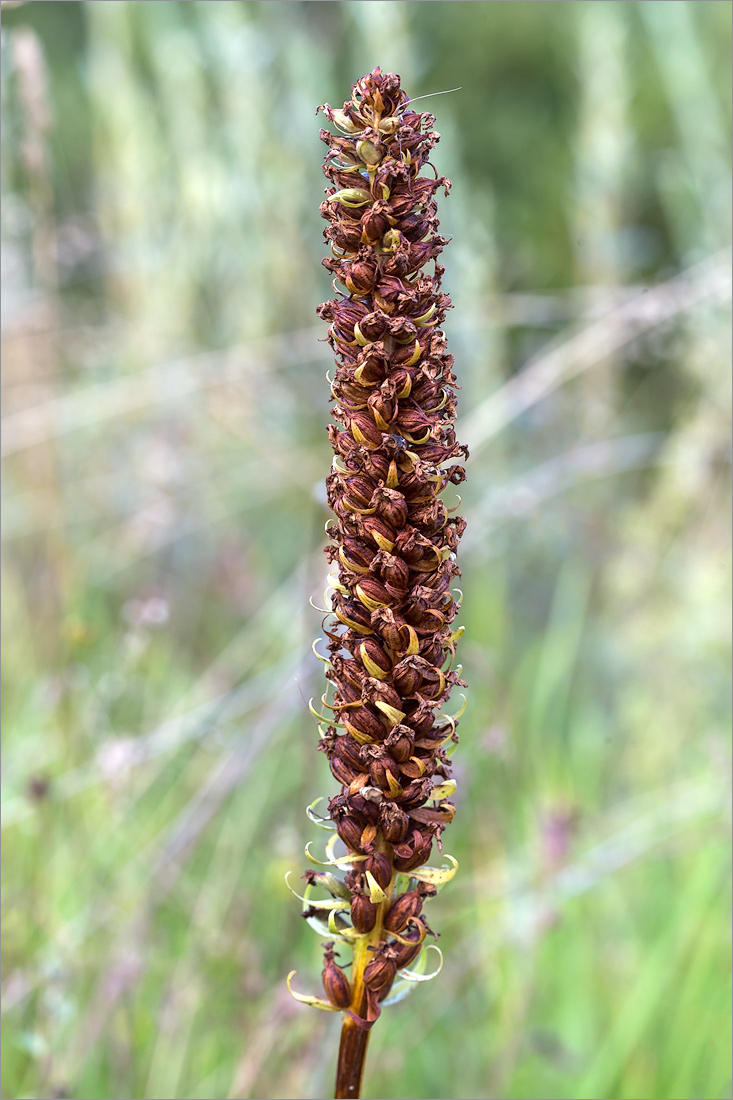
{"x":164,"y":510}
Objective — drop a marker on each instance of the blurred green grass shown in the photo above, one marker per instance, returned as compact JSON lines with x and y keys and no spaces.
{"x":163,"y":521}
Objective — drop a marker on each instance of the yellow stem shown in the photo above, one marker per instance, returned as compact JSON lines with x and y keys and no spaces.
{"x":354,"y":1040}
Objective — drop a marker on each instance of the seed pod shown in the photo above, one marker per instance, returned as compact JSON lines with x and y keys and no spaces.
{"x":433,"y":652}
{"x":350,"y":832}
{"x":374,"y":223}
{"x":363,"y":913}
{"x":433,"y":683}
{"x":419,"y":856}
{"x":363,"y":809}
{"x":379,"y":973}
{"x":373,"y":325}
{"x":364,"y":430}
{"x":408,"y":674}
{"x":335,"y":982}
{"x":375,"y":660}
{"x":382,"y":768}
{"x":381,"y":867}
{"x":363,"y":725}
{"x":392,"y":628}
{"x":350,"y":751}
{"x":358,"y":552}
{"x":420,"y":718}
{"x":369,"y":152}
{"x":349,"y":689}
{"x":347,"y":235}
{"x":394,"y":572}
{"x":394,"y":822}
{"x":383,"y":408}
{"x":357,"y":490}
{"x":400,"y":743}
{"x":374,"y":528}
{"x":352,"y":614}
{"x":415,"y":767}
{"x":383,"y":696}
{"x":406,"y":906}
{"x":376,"y":465}
{"x":372,"y":593}
{"x":345,"y":672}
{"x":391,"y":506}
{"x":342,"y":770}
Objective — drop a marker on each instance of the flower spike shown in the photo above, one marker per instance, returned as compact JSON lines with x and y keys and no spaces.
{"x":392,"y":541}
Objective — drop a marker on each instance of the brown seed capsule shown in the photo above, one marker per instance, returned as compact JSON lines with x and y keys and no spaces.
{"x":350,"y":832}
{"x":335,"y":982}
{"x":376,"y":662}
{"x":382,"y":407}
{"x":364,"y":430}
{"x":364,"y":809}
{"x":433,"y":683}
{"x":408,"y":674}
{"x":406,"y":906}
{"x":393,"y":571}
{"x":358,"y":552}
{"x":364,"y":725}
{"x":415,"y":768}
{"x":352,"y":613}
{"x":346,"y":672}
{"x":363,"y":913}
{"x":391,"y":506}
{"x":372,"y":593}
{"x":381,"y":867}
{"x":373,"y":325}
{"x":380,"y":769}
{"x":379,"y":973}
{"x":420,"y":718}
{"x":374,"y":223}
{"x":382,"y":692}
{"x":343,"y":770}
{"x":392,"y":628}
{"x":374,"y":528}
{"x":357,"y":491}
{"x":350,"y":751}
{"x":400,"y":743}
{"x":394,"y":822}
{"x":420,"y":855}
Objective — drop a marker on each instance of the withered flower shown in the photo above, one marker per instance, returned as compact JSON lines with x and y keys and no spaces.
{"x":391,"y":633}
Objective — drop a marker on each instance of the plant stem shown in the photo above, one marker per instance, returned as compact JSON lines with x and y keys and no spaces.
{"x":354,"y":1039}
{"x":352,"y":1054}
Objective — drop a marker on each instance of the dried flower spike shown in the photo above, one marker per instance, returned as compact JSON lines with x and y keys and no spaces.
{"x":391,"y":632}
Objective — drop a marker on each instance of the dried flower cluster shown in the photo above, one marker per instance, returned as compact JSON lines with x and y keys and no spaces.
{"x":391,"y":637}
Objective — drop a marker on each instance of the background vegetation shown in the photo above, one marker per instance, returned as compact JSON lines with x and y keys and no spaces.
{"x":164,"y":461}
